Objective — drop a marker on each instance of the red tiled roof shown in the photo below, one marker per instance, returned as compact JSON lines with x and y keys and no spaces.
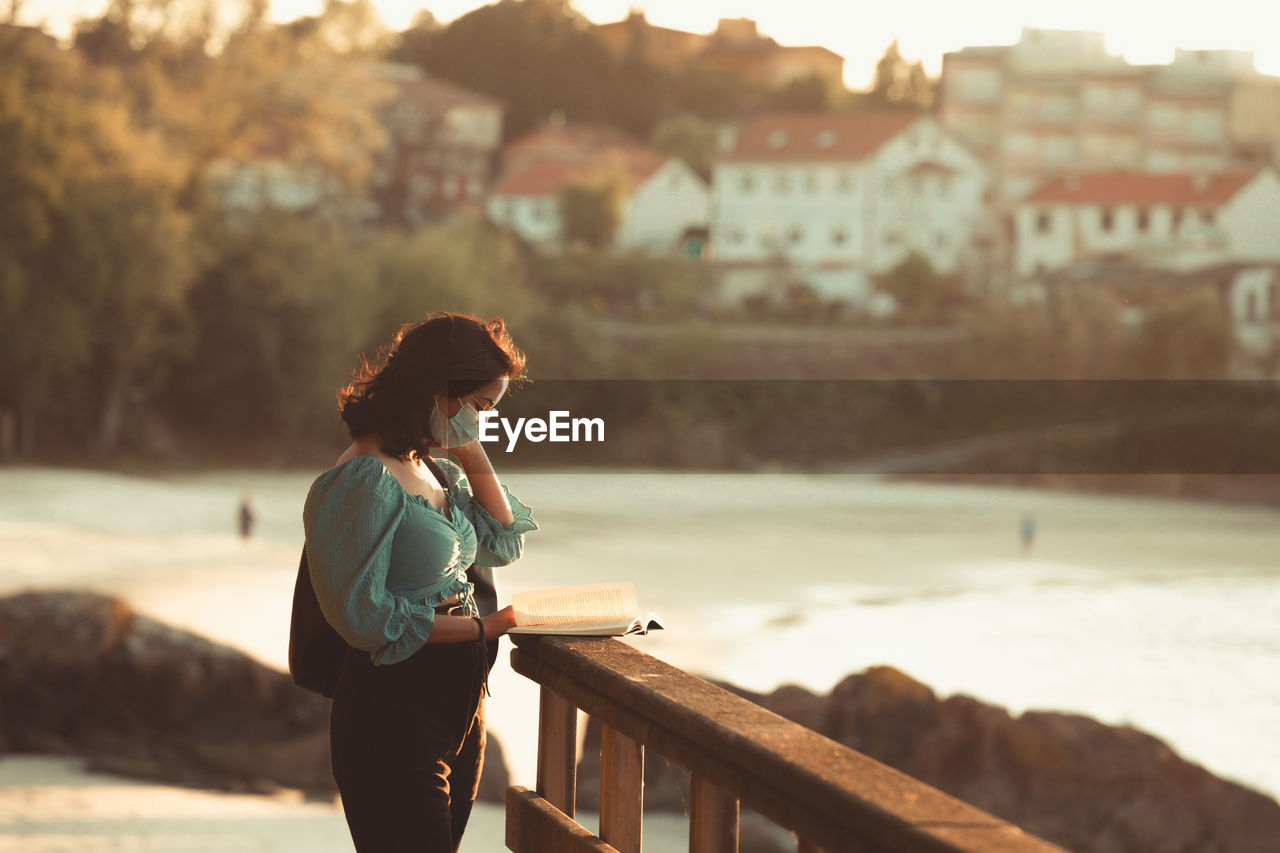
{"x":818,"y":136}
{"x":548,"y":177}
{"x":1142,"y":188}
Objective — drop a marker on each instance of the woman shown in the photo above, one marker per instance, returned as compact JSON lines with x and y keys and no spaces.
{"x":390,"y":534}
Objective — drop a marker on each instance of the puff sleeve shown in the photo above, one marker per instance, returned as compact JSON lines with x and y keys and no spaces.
{"x":350,"y":520}
{"x":496,"y":545}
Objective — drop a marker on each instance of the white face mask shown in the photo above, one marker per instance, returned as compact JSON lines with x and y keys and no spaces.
{"x":462,"y":428}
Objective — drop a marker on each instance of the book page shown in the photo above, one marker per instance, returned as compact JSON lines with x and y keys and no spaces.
{"x":606,"y":603}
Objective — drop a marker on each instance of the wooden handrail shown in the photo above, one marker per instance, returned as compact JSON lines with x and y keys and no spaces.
{"x":832,"y":797}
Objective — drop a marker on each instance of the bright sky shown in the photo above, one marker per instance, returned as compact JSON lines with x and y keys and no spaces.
{"x":1139,"y":30}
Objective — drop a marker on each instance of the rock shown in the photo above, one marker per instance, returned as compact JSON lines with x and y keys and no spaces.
{"x":1086,"y":786}
{"x":84,"y":674}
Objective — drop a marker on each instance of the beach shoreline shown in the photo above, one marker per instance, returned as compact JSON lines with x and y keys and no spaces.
{"x":705,"y":550}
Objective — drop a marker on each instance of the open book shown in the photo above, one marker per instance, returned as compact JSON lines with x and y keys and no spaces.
{"x":596,"y":610}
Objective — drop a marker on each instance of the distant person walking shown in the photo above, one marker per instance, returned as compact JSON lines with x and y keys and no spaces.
{"x":401,"y":548}
{"x":247,"y":517}
{"x":1027,"y":534}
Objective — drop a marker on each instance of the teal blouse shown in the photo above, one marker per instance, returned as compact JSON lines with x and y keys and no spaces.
{"x":382,"y":558}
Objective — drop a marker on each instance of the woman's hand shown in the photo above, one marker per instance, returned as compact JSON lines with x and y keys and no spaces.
{"x":497,"y":624}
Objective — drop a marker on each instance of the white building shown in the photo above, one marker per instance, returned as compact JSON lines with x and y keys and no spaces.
{"x":663,"y":200}
{"x":838,"y":198}
{"x":1057,"y":101}
{"x":1180,"y":221}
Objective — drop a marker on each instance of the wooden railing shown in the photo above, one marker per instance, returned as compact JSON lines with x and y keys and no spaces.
{"x":833,"y":798}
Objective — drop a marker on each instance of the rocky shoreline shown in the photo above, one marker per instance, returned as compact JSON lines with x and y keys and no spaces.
{"x":1081,"y":784}
{"x":83,"y":674}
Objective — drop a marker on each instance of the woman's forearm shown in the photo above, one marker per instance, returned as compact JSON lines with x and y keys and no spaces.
{"x":485,"y":488}
{"x":463,"y":629}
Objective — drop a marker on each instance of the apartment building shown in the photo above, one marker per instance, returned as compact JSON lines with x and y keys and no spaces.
{"x":1057,"y":101}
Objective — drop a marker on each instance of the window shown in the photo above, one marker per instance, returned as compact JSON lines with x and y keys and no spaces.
{"x":825,"y":138}
{"x":1209,"y":217}
{"x":1144,"y":220}
{"x":978,"y":84}
{"x":845,"y":182}
{"x":940,"y":240}
{"x":734,"y":236}
{"x":1044,"y":222}
{"x":1206,"y":125}
{"x":1175,"y":221}
{"x":747,"y":182}
{"x":1059,"y":150}
{"x":1108,"y":219}
{"x":811,"y":182}
{"x":795,"y":234}
{"x":1164,"y":116}
{"x":839,"y":236}
{"x":782,"y":184}
{"x":776,"y":139}
{"x":1020,"y":144}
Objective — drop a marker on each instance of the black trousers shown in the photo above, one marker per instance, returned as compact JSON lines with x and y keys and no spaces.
{"x":407,"y":742}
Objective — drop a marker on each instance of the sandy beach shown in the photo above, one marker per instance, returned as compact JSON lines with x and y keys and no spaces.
{"x":752,"y":573}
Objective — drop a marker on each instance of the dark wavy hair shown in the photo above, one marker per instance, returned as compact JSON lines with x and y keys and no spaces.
{"x":450,"y":354}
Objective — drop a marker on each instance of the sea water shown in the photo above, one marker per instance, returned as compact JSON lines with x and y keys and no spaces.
{"x":1152,"y":613}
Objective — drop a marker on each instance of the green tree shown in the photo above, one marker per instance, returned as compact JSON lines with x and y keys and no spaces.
{"x":1077,"y":334}
{"x":921,"y":293}
{"x":1189,"y":337}
{"x":465,"y":266}
{"x":688,"y":137}
{"x":591,"y":210}
{"x":219,"y":88}
{"x":276,"y":318}
{"x":94,"y":264}
{"x":538,"y":56}
{"x":898,"y":83}
{"x":809,"y":94}
{"x":715,"y":94}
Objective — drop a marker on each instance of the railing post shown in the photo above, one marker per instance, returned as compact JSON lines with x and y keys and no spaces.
{"x":557,"y":750}
{"x":713,"y":819}
{"x":621,"y":790}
